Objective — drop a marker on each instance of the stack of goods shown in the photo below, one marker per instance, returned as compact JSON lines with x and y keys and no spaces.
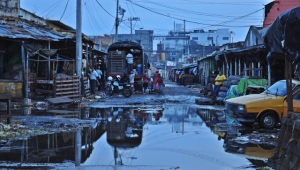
{"x":230,"y":82}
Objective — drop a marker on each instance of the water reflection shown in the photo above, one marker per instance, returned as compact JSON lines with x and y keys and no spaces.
{"x":120,"y":135}
{"x":123,"y":127}
{"x":250,"y":141}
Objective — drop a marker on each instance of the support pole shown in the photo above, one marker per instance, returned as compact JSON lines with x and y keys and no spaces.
{"x":49,"y":63}
{"x":78,"y":147}
{"x":117,"y":21}
{"x":269,"y":74}
{"x":288,"y":68}
{"x":78,"y":41}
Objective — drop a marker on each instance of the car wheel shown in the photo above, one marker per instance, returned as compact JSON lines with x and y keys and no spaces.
{"x":268,"y":120}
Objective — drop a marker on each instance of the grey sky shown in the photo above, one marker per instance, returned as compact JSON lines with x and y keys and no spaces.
{"x":158,"y":15}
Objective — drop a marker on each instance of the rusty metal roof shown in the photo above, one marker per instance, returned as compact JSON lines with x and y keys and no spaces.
{"x":26,"y":31}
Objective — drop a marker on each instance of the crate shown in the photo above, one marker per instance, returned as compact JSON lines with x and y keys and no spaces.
{"x":67,"y":86}
{"x":86,"y":91}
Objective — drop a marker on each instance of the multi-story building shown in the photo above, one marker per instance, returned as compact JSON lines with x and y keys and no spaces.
{"x":212,"y":37}
{"x":181,"y":44}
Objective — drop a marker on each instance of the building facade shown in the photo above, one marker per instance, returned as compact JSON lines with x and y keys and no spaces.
{"x":273,"y":9}
{"x":212,"y":37}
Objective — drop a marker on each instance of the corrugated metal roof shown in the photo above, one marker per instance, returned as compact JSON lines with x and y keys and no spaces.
{"x":26,"y":31}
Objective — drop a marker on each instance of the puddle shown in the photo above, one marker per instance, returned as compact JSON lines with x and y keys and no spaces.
{"x":253,"y":142}
{"x":173,"y":135}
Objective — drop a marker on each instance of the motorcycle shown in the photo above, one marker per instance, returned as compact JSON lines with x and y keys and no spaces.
{"x":114,"y":86}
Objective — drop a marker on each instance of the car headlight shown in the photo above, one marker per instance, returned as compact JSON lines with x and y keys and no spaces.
{"x":241,"y":107}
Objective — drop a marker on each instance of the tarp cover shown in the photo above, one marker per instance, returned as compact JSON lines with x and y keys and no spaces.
{"x":241,"y":88}
{"x":34,"y":49}
{"x":283,"y":35}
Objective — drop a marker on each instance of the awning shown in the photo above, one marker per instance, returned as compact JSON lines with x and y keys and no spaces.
{"x":26,"y":31}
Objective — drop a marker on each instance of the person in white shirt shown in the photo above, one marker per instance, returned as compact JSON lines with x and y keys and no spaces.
{"x":99,"y":72}
{"x":129,"y":58}
{"x":93,"y":80}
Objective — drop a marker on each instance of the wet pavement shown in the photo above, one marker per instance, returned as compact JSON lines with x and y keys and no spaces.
{"x":149,"y":131}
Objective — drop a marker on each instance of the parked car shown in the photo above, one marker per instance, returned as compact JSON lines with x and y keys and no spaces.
{"x":266,"y":108}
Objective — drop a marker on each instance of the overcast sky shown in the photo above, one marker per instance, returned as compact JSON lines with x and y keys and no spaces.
{"x":159,"y":15}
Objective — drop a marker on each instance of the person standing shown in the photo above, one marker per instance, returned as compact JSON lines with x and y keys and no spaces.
{"x":155,"y":85}
{"x":218,"y":83}
{"x":131,"y":81}
{"x":160,"y":83}
{"x":129,"y":58}
{"x":93,"y":80}
{"x":99,"y":72}
{"x":145,"y":81}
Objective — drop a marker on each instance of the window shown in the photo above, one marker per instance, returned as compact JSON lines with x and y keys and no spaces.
{"x":209,"y":38}
{"x":225,"y":38}
{"x":194,"y":38}
{"x":173,"y":53}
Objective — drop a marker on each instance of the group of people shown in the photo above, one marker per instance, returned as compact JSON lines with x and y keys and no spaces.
{"x":157,"y":78}
{"x":95,"y":79}
{"x":158,"y":82}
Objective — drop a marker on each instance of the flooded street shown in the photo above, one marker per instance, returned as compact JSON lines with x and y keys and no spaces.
{"x":171,"y":136}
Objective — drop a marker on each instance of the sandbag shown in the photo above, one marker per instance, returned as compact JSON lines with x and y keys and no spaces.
{"x":234,"y":78}
{"x":234,"y":82}
{"x":220,"y":99}
{"x":223,"y":88}
{"x":222,"y":94}
{"x":226,"y":83}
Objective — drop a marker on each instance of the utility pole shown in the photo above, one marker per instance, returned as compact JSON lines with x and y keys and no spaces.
{"x":117,"y":21}
{"x":132,"y":19}
{"x":78,"y":41}
{"x":119,"y":11}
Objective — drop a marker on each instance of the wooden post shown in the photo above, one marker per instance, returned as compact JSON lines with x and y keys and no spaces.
{"x":288,"y":68}
{"x":235,"y":66}
{"x":240,"y":67}
{"x":253,"y":70}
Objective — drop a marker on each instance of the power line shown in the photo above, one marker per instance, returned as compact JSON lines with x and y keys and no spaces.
{"x":105,"y":9}
{"x":195,"y":22}
{"x":100,"y":17}
{"x":64,"y":10}
{"x":54,"y":7}
{"x":87,"y":11}
{"x":51,"y":6}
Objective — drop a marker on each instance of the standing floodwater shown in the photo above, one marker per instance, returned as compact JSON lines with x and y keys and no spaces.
{"x":169,"y":136}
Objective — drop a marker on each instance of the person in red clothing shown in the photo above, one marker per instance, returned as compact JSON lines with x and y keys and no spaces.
{"x":160,"y":83}
{"x":176,"y":77}
{"x":155,"y":85}
{"x":145,"y":81}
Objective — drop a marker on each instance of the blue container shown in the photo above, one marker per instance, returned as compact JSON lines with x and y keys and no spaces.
{"x":139,"y":69}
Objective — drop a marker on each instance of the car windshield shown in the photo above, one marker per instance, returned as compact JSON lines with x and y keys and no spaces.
{"x":278,"y":89}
